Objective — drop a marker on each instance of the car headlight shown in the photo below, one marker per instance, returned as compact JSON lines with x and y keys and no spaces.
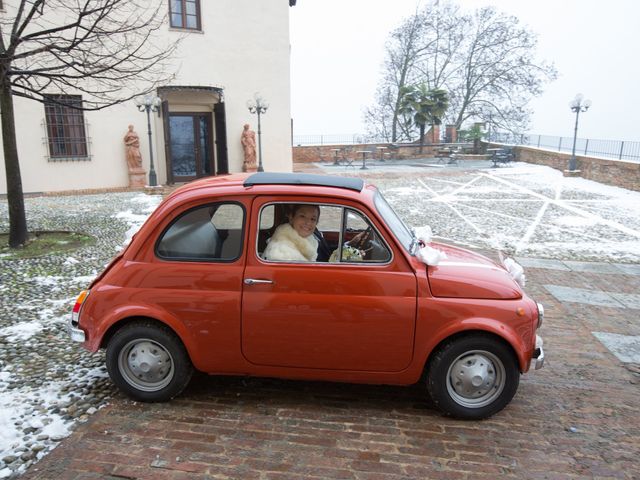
{"x":540,"y":314}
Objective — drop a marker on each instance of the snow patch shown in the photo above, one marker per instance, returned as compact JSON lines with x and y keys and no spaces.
{"x":16,"y":407}
{"x":575,"y":221}
{"x":47,"y":281}
{"x":84,"y":279}
{"x":21,"y":331}
{"x":135,"y":220}
{"x":149,"y":202}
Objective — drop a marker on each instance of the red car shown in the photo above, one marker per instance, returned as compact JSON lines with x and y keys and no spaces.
{"x":197,"y":289}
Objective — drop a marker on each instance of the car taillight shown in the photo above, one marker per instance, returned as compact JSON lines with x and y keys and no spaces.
{"x":75,"y":314}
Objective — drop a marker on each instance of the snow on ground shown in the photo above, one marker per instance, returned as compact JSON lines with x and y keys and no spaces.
{"x":20,"y":331}
{"x":47,"y":382}
{"x":135,"y":220}
{"x":526,"y":210}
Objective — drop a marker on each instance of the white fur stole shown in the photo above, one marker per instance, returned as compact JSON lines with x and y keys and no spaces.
{"x":287,"y":244}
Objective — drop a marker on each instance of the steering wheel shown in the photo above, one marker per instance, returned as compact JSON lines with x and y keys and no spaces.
{"x":371,"y":248}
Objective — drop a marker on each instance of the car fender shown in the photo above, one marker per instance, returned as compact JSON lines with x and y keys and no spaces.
{"x":123,"y":313}
{"x":488,"y":325}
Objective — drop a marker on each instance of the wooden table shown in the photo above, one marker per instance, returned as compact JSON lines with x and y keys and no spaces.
{"x":364,"y":158}
{"x":335,"y":155}
{"x":381,"y":150}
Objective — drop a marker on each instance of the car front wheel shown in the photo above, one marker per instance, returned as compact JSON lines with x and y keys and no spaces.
{"x":148,"y":362}
{"x":473,"y":377}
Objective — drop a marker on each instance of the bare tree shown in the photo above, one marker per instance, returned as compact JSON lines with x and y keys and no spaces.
{"x":484,"y":60}
{"x":108,"y":50}
{"x":498,"y":73}
{"x":402,"y":52}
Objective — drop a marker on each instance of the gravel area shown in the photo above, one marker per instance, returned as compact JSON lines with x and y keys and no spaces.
{"x":47,"y":382}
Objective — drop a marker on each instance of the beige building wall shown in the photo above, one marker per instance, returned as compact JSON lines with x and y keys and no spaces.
{"x":243,"y":48}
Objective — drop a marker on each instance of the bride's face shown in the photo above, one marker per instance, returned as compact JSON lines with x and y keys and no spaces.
{"x":304,"y":221}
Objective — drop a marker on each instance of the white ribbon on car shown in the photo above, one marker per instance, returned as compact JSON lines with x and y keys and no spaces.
{"x":515,"y":270}
{"x":426,"y":254}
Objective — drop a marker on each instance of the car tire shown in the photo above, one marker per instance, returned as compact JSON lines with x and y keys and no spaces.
{"x":148,"y":362}
{"x":473,"y":377}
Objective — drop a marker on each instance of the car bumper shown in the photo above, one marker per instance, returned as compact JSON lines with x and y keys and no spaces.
{"x":75,"y":333}
{"x":537,"y":360}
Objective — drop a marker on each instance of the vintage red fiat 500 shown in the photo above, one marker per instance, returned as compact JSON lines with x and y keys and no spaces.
{"x":195,"y":290}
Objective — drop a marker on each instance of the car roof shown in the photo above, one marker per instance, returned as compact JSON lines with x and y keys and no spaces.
{"x":265,"y":179}
{"x":270,"y":178}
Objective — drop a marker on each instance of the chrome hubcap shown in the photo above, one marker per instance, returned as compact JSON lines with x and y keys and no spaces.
{"x":475,"y":379}
{"x":146,"y":365}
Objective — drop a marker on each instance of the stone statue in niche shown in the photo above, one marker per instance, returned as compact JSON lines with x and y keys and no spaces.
{"x":248,"y":140}
{"x":137,"y":176}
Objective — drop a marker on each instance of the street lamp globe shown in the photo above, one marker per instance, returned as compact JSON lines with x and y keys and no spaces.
{"x":577,"y":105}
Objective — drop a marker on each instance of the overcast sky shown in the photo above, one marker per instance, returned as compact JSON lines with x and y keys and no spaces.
{"x":337,"y":49}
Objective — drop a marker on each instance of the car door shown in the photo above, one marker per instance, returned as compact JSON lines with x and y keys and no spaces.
{"x":350,"y":315}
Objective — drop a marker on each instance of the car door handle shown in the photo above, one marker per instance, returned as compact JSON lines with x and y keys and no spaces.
{"x":255,"y":281}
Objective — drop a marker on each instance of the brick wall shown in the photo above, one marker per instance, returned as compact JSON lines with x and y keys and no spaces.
{"x":611,"y":172}
{"x":619,"y":173}
{"x":324,"y":153}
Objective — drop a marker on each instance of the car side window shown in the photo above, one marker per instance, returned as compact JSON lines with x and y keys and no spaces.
{"x":292,"y":247}
{"x":361,"y":241}
{"x":212,"y":232}
{"x":336,"y":225}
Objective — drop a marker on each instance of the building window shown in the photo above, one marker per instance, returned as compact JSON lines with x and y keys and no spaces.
{"x":65,"y":126}
{"x":185,"y":14}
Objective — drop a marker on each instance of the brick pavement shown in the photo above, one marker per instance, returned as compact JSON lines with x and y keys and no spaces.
{"x":575,"y":418}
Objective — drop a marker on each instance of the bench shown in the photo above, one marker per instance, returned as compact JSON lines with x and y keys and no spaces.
{"x":501,"y":155}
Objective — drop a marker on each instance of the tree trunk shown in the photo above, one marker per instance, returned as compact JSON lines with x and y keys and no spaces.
{"x":15,"y":197}
{"x":421,"y":138}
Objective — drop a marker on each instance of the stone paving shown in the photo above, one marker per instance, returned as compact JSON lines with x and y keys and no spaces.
{"x":47,"y":384}
{"x":575,"y":418}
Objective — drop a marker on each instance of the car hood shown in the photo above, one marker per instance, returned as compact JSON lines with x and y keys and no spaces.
{"x":465,"y":274}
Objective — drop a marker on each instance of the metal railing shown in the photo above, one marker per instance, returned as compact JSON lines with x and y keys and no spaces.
{"x":334,"y":139}
{"x":614,"y":149}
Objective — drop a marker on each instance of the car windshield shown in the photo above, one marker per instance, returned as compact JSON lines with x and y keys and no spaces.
{"x":397,"y":226}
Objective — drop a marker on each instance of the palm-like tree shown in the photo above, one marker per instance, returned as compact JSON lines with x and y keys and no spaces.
{"x":423,"y":106}
{"x":439,"y":104}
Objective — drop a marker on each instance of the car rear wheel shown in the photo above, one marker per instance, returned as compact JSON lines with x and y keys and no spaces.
{"x":148,"y":362}
{"x":473,"y":377}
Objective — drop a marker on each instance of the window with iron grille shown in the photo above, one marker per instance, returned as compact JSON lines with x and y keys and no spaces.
{"x":185,"y":14}
{"x":65,"y":125}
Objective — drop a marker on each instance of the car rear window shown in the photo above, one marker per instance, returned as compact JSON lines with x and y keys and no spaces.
{"x":212,"y":232}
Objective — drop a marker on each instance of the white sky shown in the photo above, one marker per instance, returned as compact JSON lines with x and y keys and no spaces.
{"x":337,"y":49}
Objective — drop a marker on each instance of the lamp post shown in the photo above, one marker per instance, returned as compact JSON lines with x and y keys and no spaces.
{"x":577,"y":105}
{"x":258,"y":105}
{"x":150,"y":103}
